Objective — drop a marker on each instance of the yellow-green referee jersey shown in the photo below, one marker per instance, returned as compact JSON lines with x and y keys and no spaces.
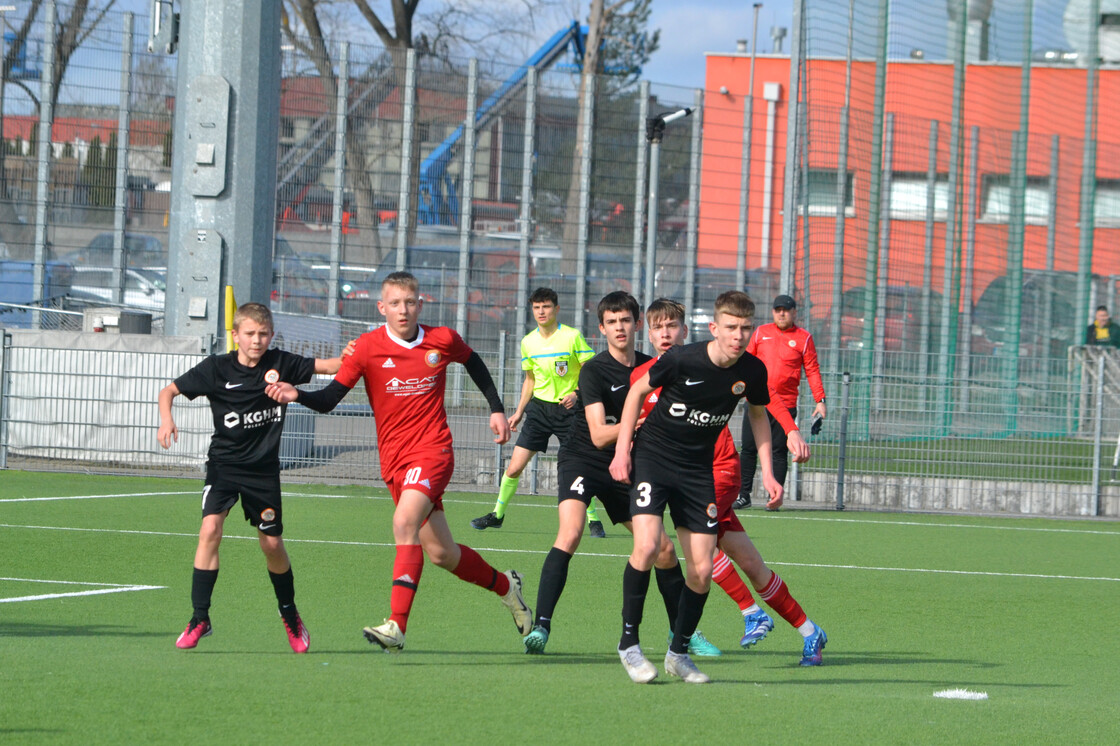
{"x":555,"y":362}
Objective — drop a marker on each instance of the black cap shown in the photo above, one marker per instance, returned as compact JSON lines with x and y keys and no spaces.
{"x":784,"y":301}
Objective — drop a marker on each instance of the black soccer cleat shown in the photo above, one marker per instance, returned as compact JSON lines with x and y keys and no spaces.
{"x":490,"y":520}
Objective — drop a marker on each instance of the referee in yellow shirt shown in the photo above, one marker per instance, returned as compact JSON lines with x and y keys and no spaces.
{"x":551,"y":357}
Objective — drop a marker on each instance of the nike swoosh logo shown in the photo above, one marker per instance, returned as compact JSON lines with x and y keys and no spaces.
{"x":232,"y":385}
{"x":616,"y":388}
{"x":712,"y":524}
{"x":689,"y":382}
{"x":264,"y":526}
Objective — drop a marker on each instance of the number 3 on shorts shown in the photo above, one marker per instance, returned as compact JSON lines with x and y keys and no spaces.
{"x":412,"y":476}
{"x":644,"y":490}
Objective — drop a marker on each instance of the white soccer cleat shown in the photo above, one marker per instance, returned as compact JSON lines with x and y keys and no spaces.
{"x":388,"y":635}
{"x":515,"y":602}
{"x":641,"y":671}
{"x":681,"y":666}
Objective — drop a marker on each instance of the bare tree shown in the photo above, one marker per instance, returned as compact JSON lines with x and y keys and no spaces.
{"x":74,"y":26}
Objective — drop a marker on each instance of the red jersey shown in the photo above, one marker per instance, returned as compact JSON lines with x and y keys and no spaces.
{"x":784,"y":353}
{"x":725,"y":466}
{"x":405,"y":382}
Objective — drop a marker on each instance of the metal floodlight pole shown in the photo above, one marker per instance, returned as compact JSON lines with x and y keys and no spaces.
{"x":655,"y":130}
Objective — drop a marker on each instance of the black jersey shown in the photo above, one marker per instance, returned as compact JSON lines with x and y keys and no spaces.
{"x":604,"y":380}
{"x":247,"y":424}
{"x":697,"y":400}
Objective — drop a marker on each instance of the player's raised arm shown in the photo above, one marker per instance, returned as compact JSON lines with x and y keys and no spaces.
{"x":167,"y":429}
{"x":639,"y":390}
{"x":330,"y":366}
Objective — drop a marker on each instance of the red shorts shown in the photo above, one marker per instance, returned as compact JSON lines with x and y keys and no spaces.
{"x":726,"y":492}
{"x":427,"y":473}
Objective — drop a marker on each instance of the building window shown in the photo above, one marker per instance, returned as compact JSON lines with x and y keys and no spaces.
{"x":821,"y":191}
{"x":996,"y":205}
{"x":1106,"y":209}
{"x":910,"y":193}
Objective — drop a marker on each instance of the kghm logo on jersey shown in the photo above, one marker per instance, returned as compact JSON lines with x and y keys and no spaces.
{"x":738,"y":387}
{"x":698,"y":418}
{"x":254,"y":419}
{"x":561,"y":368}
{"x":432,"y":358}
{"x":272,"y":376}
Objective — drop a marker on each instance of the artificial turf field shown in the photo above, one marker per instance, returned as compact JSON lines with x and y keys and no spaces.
{"x":1024,"y":610}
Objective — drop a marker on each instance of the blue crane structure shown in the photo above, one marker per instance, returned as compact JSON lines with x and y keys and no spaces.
{"x":439,"y":198}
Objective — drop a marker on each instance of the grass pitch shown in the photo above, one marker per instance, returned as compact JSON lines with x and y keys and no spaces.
{"x":95,"y":588}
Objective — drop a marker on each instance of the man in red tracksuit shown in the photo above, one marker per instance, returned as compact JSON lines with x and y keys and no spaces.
{"x":785,"y":348}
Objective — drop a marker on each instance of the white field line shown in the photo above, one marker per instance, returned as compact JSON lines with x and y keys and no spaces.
{"x":551,"y":504}
{"x":331,"y":542}
{"x":99,"y":590}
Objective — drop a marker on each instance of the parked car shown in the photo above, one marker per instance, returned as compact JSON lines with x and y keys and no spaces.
{"x":991,"y":322}
{"x":902,"y":322}
{"x":144,"y":289}
{"x":141,"y":251}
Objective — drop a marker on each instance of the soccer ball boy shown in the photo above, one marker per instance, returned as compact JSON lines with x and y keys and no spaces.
{"x":403,"y":365}
{"x":583,"y":470}
{"x":667,"y":329}
{"x":701,"y":384}
{"x":244,"y":459}
{"x":552,"y":356}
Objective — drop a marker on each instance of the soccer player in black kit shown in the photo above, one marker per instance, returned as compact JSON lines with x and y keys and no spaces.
{"x":583,"y":465}
{"x":701,"y":384}
{"x":244,"y":459}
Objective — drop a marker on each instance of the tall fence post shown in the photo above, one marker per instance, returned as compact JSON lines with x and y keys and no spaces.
{"x":692,"y":238}
{"x":1088,"y":174}
{"x":1097,"y":434}
{"x":43,"y":171}
{"x":120,"y":196}
{"x":640,"y":197}
{"x":792,"y":185}
{"x":969,"y":268}
{"x":584,"y":201}
{"x":842,"y":456}
{"x":337,"y":198}
{"x":5,"y":352}
{"x":841,"y":201}
{"x":503,"y":340}
{"x":526,"y":214}
{"x":878,"y":345}
{"x":466,"y":199}
{"x":745,"y":165}
{"x":404,"y":201}
{"x":927,"y":266}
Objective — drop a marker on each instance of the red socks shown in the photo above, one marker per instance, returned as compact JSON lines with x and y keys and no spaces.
{"x":406,"y":577}
{"x":473,"y":569}
{"x":776,"y":595}
{"x":723,"y":572}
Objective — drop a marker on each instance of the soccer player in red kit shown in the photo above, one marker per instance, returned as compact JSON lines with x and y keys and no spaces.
{"x":667,"y":329}
{"x":403,"y":365}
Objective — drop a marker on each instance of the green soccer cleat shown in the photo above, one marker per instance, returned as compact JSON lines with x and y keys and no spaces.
{"x":536,"y":640}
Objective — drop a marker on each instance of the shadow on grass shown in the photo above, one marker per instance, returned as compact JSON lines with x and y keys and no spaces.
{"x":15,"y":629}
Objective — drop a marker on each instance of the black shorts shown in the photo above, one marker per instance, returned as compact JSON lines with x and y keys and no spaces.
{"x":259,"y":492}
{"x":688,"y":490}
{"x":542,"y":420}
{"x":583,"y":481}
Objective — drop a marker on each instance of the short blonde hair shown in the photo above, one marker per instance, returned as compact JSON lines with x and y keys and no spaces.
{"x":254,"y":311}
{"x":735,"y":303}
{"x":664,"y":309}
{"x":405,"y":280}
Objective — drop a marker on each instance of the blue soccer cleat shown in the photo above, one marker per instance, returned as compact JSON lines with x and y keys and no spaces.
{"x":814,"y":645}
{"x":755,"y":628}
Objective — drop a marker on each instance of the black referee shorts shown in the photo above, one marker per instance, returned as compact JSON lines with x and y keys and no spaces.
{"x":542,"y":420}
